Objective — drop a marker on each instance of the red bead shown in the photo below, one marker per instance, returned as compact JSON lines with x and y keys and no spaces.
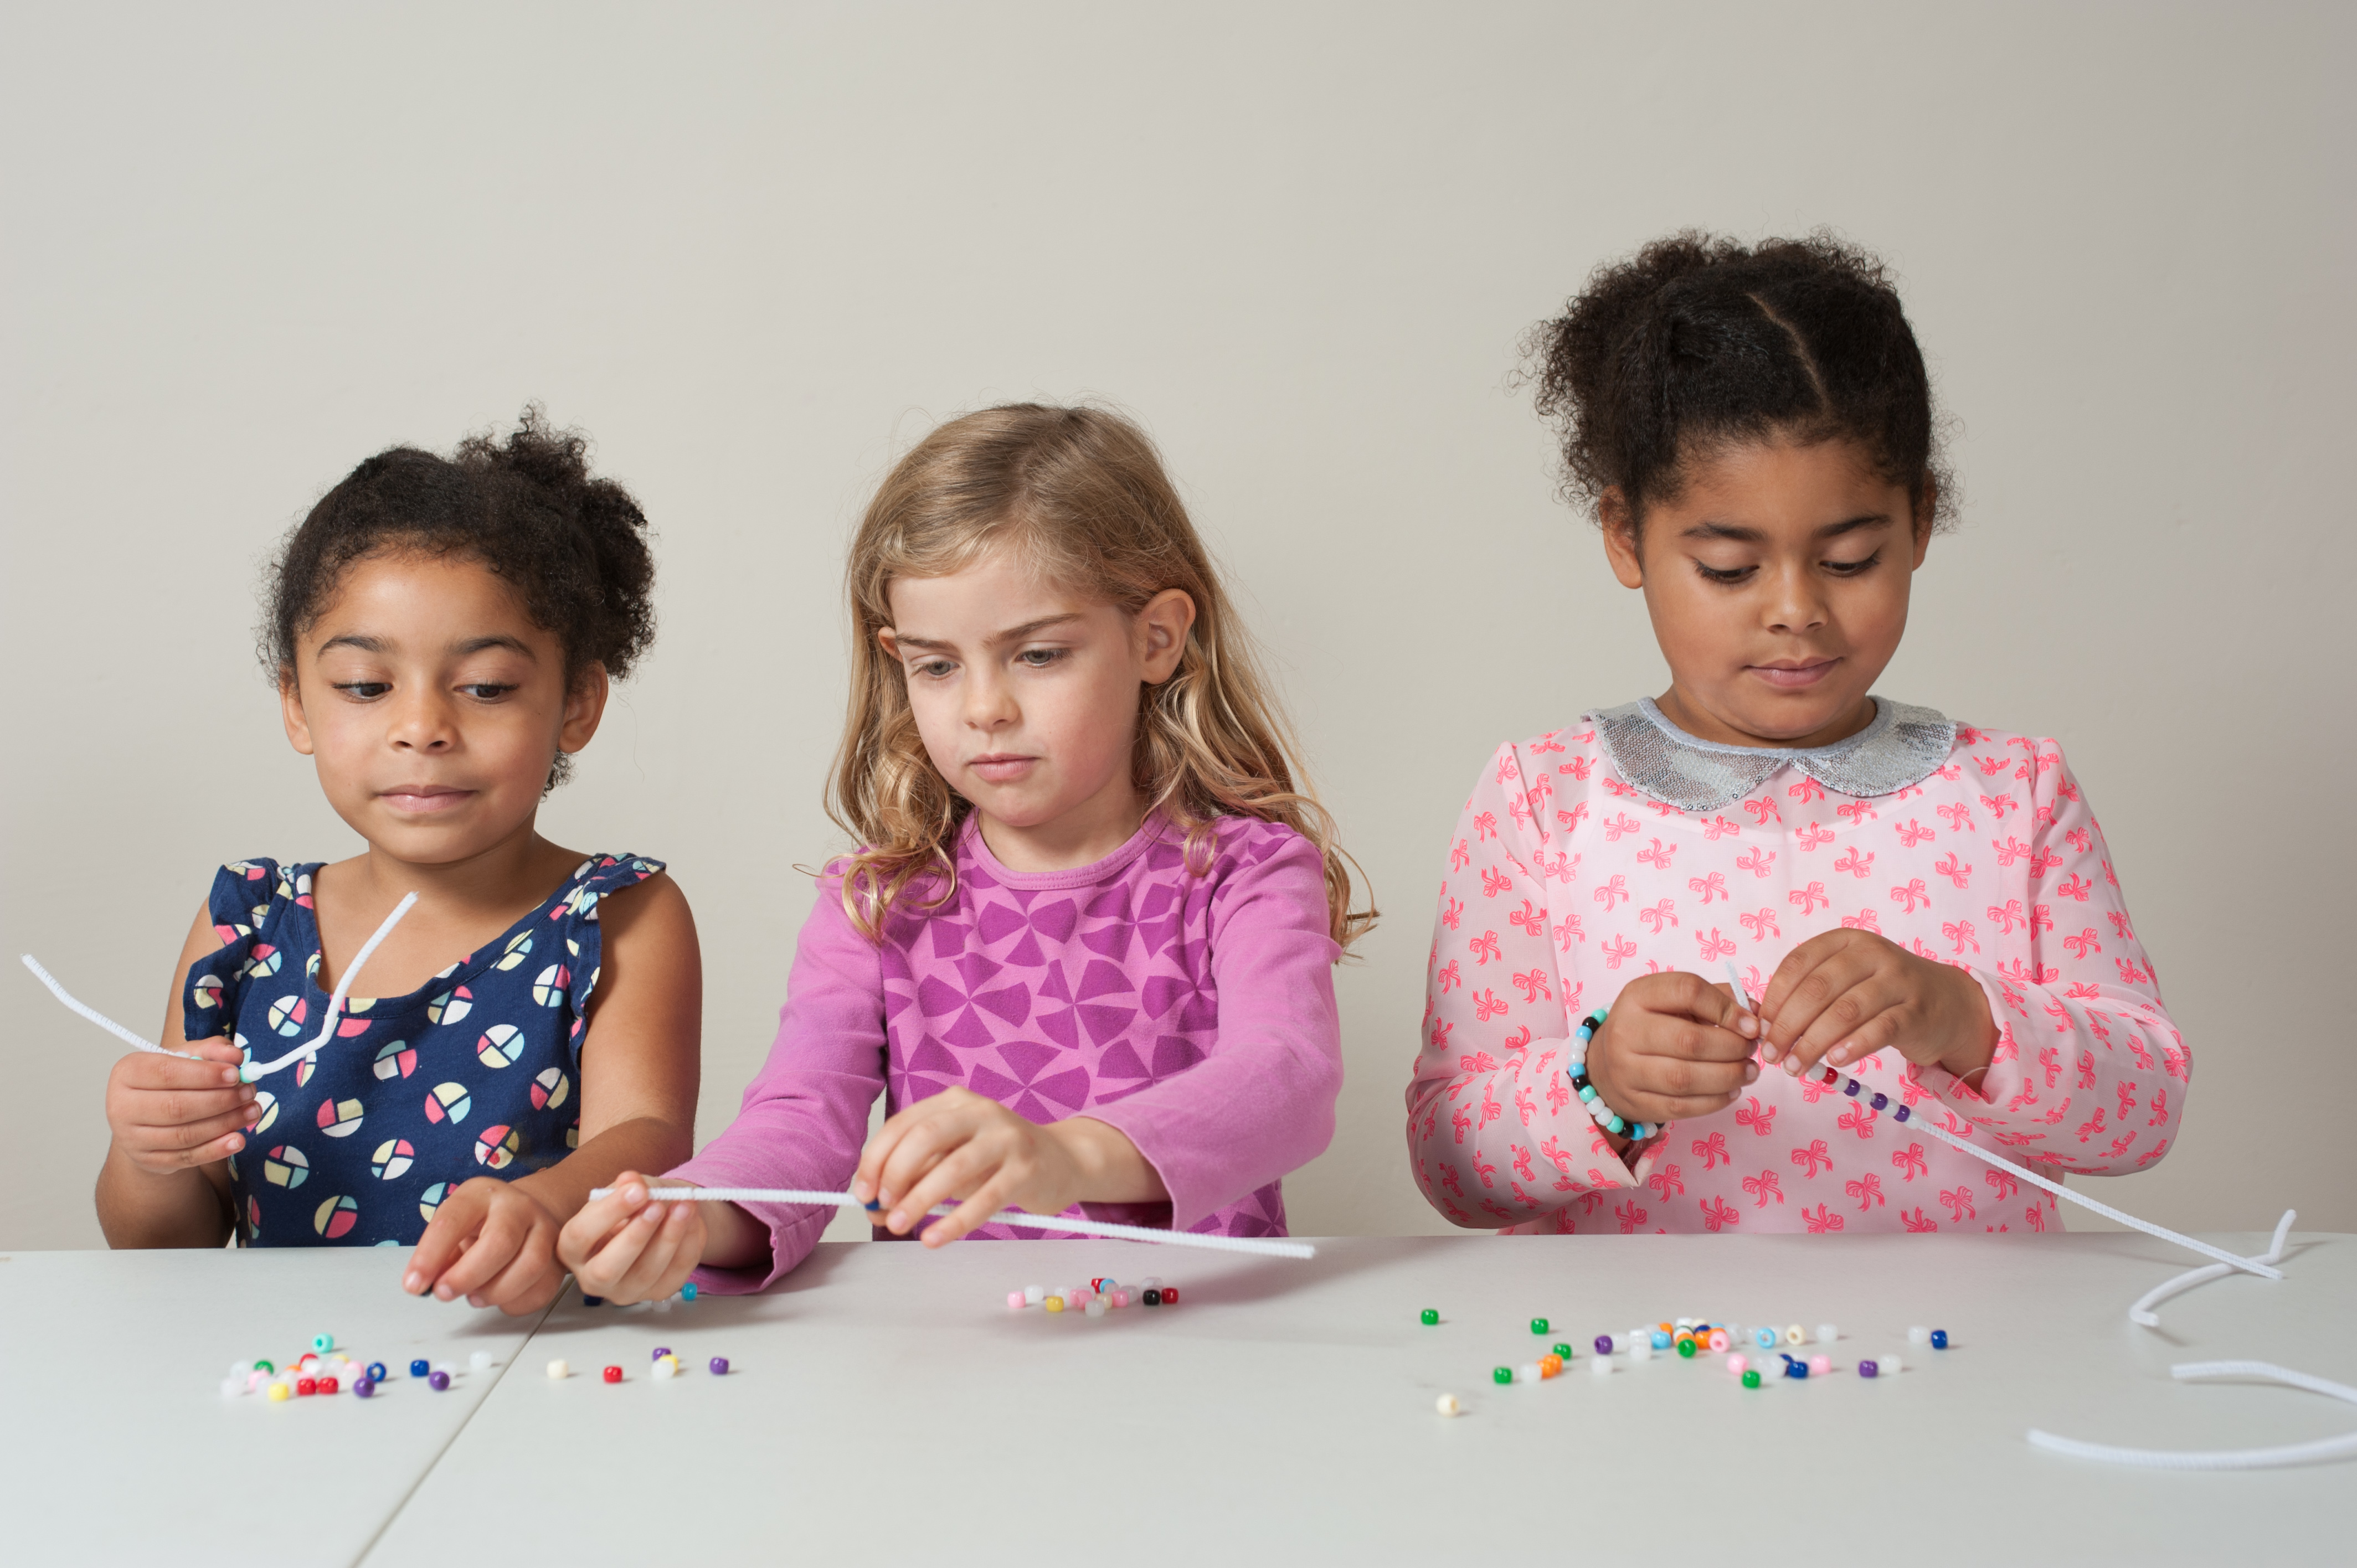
{"x":1170,"y":1295}
{"x":328,"y":1385}
{"x":306,"y":1386}
{"x":613,"y":1374}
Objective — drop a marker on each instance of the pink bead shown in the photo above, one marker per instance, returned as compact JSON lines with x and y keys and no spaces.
{"x":1120,"y":1298}
{"x":1014,"y":1300}
{"x":1736,"y":1366}
{"x":1719,"y":1341}
{"x":1820,"y":1365}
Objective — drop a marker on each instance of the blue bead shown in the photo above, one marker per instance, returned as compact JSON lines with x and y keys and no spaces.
{"x":1796,"y":1370}
{"x":1879,"y":1101}
{"x":593,"y":1301}
{"x":687,"y":1291}
{"x":376,"y":1371}
{"x":1763,"y":1337}
{"x":1939,"y":1339}
{"x":419,"y":1369}
{"x":1661,"y":1340}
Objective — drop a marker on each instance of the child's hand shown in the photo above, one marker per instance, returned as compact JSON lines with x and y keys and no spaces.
{"x":626,"y":1247}
{"x":1843,"y":996}
{"x":492,"y":1243}
{"x":171,"y":1114}
{"x":958,"y":1146}
{"x":1674,"y":1046}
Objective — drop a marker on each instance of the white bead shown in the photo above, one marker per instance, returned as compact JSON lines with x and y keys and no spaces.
{"x":1770,"y":1369}
{"x":1151,"y":1282}
{"x":1796,"y":1335}
{"x":1447,"y":1404}
{"x":240,"y":1371}
{"x":1096,"y":1307}
{"x":1601,"y":1366}
{"x":481,"y":1362}
{"x":666,"y":1367}
{"x":1527,"y":1373}
{"x":1641,"y":1348}
{"x":664,"y":1305}
{"x":1034,"y":1295}
{"x":1918,"y":1335}
{"x":1889,"y":1366}
{"x":559,"y":1369}
{"x":1827,"y":1332}
{"x":231,"y":1387}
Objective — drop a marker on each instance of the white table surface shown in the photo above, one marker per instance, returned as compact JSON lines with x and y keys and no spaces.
{"x":887,"y":1405}
{"x":116,"y":1445}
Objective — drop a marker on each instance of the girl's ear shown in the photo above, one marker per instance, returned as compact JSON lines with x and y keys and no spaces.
{"x":1162,"y":628}
{"x":1924,"y":514}
{"x":1621,"y":537}
{"x":290,"y":711}
{"x":585,"y":706}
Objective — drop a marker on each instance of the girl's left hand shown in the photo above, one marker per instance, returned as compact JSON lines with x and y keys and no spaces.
{"x":959,"y":1147}
{"x":1843,"y":996}
{"x":492,"y":1243}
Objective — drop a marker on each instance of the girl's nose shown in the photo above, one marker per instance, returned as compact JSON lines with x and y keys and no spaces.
{"x":989,"y":705}
{"x":423,"y":724}
{"x":1794,"y":603}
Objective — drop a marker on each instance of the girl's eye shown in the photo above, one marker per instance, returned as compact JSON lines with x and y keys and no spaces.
{"x":935,"y":669}
{"x":485,"y":691}
{"x":1852,"y":568}
{"x":1040,"y":658}
{"x":363,"y":690}
{"x":1725,"y":574}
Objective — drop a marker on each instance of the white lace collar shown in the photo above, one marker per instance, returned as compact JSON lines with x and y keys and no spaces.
{"x":1901,"y":746}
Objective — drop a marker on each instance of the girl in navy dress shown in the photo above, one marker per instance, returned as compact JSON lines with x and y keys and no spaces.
{"x":442,"y":632}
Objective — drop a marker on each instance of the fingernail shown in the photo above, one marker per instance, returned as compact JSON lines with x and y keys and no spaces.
{"x":235,"y":1143}
{"x":1750,"y":1072}
{"x":413,"y":1282}
{"x":896,"y":1221}
{"x":246,"y":1092}
{"x":651,"y":1214}
{"x":229,"y":1075}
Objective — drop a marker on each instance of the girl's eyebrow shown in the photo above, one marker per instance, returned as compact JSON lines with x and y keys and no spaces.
{"x":368,"y":644}
{"x":1743,"y":536}
{"x":1012,"y":634}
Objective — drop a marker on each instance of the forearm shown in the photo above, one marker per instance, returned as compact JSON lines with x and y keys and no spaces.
{"x":1112,"y":1170}
{"x":641,"y":1143}
{"x":145,"y":1209}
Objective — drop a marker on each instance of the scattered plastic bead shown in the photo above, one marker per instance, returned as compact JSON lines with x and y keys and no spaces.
{"x":365,"y":1388}
{"x":717,"y":1366}
{"x":1918,"y":1335}
{"x":1034,"y":1295}
{"x":279,"y":1391}
{"x":1447,"y":1405}
{"x":1764,"y":1337}
{"x":1827,"y":1334}
{"x":1562,"y":1352}
{"x":1538,"y":1325}
{"x":306,"y":1358}
{"x":481,"y":1362}
{"x":1939,"y":1339}
{"x":1601,"y":1366}
{"x":418,"y":1369}
{"x":666,"y":1367}
{"x":1892,"y":1364}
{"x":1719,"y":1341}
{"x":1120,"y":1298}
{"x":438,"y":1381}
{"x":1015,"y":1301}
{"x":329,"y":1385}
{"x":1430,"y":1317}
{"x":1530,"y":1372}
{"x":1502,"y":1374}
{"x":613,"y":1374}
{"x":307,"y":1387}
{"x":256,"y":1380}
{"x":593,"y":1301}
{"x":1737,"y":1364}
{"x":1796,"y":1370}
{"x":660,"y":1352}
{"x":1154,"y":1298}
{"x":323,"y":1343}
{"x":240,"y":1371}
{"x":1868,"y":1369}
{"x":1660,"y":1339}
{"x":1795,"y":1334}
{"x":1604,"y":1344}
{"x":687,"y":1291}
{"x":1550,"y":1365}
{"x":1641,"y":1348}
{"x":1751,"y":1380}
{"x":559,"y":1369}
{"x":1170,"y":1295}
{"x":265,"y":1366}
{"x":231,"y":1387}
{"x":664,"y":1305}
{"x":1096,"y":1307}
{"x":1820,"y":1365}
{"x":1686,"y":1347}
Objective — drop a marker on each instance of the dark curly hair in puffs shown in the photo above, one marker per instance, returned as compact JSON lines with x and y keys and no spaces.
{"x":573,"y":547}
{"x":1699,"y":342}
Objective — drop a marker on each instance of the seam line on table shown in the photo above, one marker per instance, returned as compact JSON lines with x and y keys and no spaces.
{"x":435,"y":1462}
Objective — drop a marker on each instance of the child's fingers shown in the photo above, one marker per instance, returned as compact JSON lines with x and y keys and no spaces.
{"x":922,"y":1147}
{"x":525,"y":1283}
{"x":602,"y":1271}
{"x":666,"y":1256}
{"x":1857,"y":1024}
{"x":493,"y":1247}
{"x":1811,"y":979}
{"x":988,"y":1200}
{"x":963,"y":1171}
{"x":903,"y":1149}
{"x":188,"y":1143}
{"x":444,"y":1239}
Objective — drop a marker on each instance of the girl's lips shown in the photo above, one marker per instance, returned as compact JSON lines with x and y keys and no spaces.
{"x":426,"y":800}
{"x":1002,"y":769}
{"x":1789,"y":677}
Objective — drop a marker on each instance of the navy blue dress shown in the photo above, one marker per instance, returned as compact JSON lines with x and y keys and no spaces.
{"x":476,"y":1073}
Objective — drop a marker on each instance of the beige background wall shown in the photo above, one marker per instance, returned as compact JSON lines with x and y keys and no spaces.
{"x":755,"y":251}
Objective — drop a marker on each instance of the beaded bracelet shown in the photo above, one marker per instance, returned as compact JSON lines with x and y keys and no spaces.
{"x":1606,"y":1117}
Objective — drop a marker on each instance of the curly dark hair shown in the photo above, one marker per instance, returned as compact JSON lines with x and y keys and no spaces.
{"x":1697,"y":341}
{"x":572,"y":546}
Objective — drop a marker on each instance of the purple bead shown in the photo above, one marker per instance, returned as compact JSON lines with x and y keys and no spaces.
{"x":437,"y":1382}
{"x":365,"y":1386}
{"x":1850,"y":1088}
{"x":719,"y":1365}
{"x":1879,"y":1101}
{"x":1868,"y":1369}
{"x":1899,"y":1114}
{"x":661,"y":1351}
{"x":1604,"y":1344}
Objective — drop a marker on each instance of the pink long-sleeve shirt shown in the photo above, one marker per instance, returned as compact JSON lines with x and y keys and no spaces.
{"x":1193,"y":1013}
{"x":1565,"y":881}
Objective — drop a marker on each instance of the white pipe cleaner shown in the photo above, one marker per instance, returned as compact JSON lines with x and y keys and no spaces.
{"x":1263,"y":1246}
{"x":2340,"y":1447}
{"x":2142,"y":1313}
{"x":251,"y":1070}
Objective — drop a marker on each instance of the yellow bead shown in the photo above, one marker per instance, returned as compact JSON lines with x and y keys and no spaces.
{"x":1055,"y":1304}
{"x":278,"y":1391}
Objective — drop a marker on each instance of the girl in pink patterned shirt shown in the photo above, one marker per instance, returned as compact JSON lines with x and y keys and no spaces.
{"x":1927,"y":905}
{"x":1086,"y":952}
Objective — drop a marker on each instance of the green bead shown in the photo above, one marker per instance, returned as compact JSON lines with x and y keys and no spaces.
{"x":1430,"y":1317}
{"x":265,"y":1366}
{"x":1506,"y":1375}
{"x":1686,"y":1348}
{"x":1564,"y":1351}
{"x":1751,"y":1380}
{"x":1538,"y":1325}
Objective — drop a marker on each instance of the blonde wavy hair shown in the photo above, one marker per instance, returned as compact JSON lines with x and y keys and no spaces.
{"x":1081,"y":496}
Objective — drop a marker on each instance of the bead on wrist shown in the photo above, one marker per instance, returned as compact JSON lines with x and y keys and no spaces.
{"x":1605,"y":1116}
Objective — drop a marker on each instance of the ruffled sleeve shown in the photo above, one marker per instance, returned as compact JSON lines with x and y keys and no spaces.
{"x":569,"y":972}
{"x":247,"y":900}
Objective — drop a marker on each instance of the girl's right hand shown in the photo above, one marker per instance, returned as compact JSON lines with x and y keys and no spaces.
{"x":626,"y":1247}
{"x":1674,"y":1046}
{"x":170,"y":1114}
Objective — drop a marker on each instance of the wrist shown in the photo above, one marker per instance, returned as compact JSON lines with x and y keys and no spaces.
{"x":1969,"y":1057}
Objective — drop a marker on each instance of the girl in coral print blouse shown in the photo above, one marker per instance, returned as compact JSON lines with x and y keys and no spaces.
{"x":1926,"y":904}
